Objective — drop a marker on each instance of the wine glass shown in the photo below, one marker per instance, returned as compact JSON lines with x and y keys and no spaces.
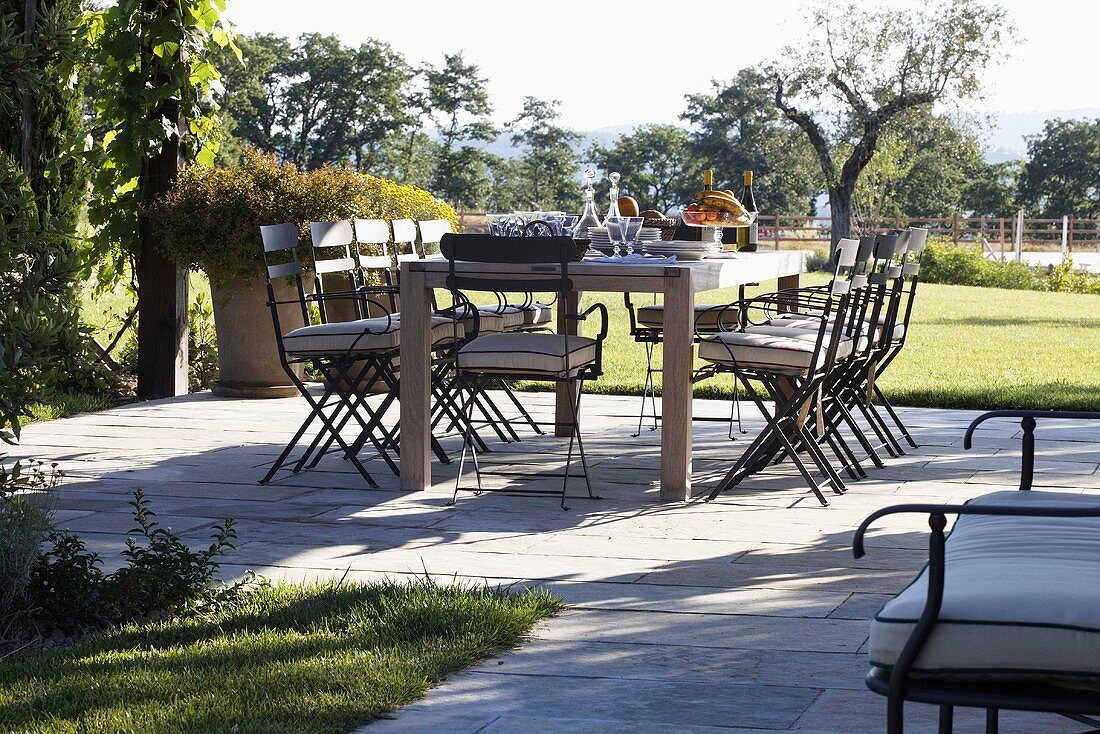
{"x":632,"y":227}
{"x":615,"y":227}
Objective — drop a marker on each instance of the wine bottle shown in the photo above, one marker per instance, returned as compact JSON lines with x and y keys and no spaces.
{"x":747,"y":236}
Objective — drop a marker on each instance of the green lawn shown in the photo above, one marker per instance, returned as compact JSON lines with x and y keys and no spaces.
{"x":969,"y":347}
{"x":294,"y":658}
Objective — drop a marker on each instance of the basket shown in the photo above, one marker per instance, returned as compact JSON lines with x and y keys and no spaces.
{"x":667,"y":225}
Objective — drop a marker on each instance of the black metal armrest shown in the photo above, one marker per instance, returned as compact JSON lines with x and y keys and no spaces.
{"x":583,"y":316}
{"x":1027,"y":423}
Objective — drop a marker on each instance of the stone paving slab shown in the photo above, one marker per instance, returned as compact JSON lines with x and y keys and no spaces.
{"x":746,"y":614}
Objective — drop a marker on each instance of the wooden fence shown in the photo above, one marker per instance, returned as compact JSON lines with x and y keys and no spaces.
{"x":996,"y":234}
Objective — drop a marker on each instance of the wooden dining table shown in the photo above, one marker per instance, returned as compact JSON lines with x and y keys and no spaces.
{"x":678,"y":283}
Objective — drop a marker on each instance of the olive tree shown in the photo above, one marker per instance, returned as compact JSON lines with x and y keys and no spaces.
{"x":859,"y":69}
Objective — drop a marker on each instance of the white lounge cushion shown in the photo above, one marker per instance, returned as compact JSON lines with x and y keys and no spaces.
{"x":1021,"y":598}
{"x":805,"y":334}
{"x":705,"y":318}
{"x":523,"y":352}
{"x":487,"y":322}
{"x":766,"y":351}
{"x":362,"y":336}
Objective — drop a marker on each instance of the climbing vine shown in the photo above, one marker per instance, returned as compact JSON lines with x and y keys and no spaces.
{"x":151,"y":58}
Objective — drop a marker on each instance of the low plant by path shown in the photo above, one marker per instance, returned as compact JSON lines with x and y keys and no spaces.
{"x":287,"y":658}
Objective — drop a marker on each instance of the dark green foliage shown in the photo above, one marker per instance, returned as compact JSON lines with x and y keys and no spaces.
{"x":991,"y":190}
{"x":737,"y":127}
{"x":1063,"y":167}
{"x":68,"y":590}
{"x":202,"y":343}
{"x":658,"y":166}
{"x":548,"y":165}
{"x":962,"y":265}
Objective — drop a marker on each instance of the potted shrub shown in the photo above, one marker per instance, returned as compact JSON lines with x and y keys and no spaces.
{"x":211,"y":220}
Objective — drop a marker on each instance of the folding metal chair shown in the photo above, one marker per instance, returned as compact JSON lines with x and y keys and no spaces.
{"x":792,"y":368}
{"x":561,"y":359}
{"x":353,"y":353}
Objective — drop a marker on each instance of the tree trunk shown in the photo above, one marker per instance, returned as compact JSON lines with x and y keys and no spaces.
{"x":840,"y":210}
{"x":162,"y":285}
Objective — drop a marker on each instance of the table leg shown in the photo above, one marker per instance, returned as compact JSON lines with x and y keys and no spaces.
{"x":416,"y":468}
{"x":676,"y":389}
{"x":566,"y":392}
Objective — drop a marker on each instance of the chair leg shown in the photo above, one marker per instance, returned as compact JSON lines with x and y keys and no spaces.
{"x":519,"y":406}
{"x":649,"y":390}
{"x":894,"y":416}
{"x":576,"y":410}
{"x":992,"y":725}
{"x":466,"y":445}
{"x":947,"y":719}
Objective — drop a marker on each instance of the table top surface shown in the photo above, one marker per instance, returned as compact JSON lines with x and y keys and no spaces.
{"x":729,"y":269}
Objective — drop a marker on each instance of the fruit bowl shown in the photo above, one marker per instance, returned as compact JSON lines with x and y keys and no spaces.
{"x":701,"y":218}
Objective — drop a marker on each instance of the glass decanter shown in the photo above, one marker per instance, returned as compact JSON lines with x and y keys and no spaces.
{"x":613,"y":210}
{"x":589,"y":218}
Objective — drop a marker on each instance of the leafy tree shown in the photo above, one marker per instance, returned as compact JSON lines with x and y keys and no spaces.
{"x":315,"y":101}
{"x":737,"y":127}
{"x":991,"y":190}
{"x":549,"y":162}
{"x":459,"y":103}
{"x":872,"y":65}
{"x":506,"y":185}
{"x":920,"y":169}
{"x":1062,"y":174}
{"x":658,"y":167}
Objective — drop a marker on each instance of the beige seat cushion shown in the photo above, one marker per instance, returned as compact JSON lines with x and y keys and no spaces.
{"x":1020,"y":601}
{"x":705,"y":318}
{"x":536,"y":314}
{"x":527,"y":353}
{"x":362,"y":336}
{"x":511,"y":316}
{"x":803,"y":322}
{"x":807,"y":334}
{"x":763,"y":350}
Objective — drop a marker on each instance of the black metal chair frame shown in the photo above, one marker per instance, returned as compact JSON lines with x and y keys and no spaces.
{"x":338,"y":397}
{"x":535,"y":251}
{"x":784,"y":433}
{"x":898,"y":684}
{"x":649,"y":337}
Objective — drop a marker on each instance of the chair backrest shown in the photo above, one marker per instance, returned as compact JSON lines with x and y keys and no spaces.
{"x":334,"y":262}
{"x":432,"y":231}
{"x":283,"y":238}
{"x":374,"y":233}
{"x":404,"y":240}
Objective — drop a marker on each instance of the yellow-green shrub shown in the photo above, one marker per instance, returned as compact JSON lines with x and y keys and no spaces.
{"x":211,"y":218}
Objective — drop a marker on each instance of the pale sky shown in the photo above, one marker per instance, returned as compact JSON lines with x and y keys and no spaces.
{"x":628,"y":63}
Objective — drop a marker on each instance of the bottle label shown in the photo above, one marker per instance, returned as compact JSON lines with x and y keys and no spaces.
{"x":753,"y":233}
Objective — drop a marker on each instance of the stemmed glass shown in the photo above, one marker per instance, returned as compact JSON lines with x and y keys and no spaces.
{"x":615,"y":230}
{"x":631,"y":228}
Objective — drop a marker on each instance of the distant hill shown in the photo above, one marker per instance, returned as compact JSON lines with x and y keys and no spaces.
{"x":1005,"y":141}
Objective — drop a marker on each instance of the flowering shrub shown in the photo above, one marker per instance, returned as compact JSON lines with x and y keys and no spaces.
{"x":210,"y":219}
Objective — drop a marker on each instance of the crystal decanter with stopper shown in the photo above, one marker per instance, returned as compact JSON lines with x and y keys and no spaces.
{"x":589,"y":218}
{"x":613,"y":210}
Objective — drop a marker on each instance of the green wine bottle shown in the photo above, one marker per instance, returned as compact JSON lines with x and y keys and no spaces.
{"x":747,"y":236}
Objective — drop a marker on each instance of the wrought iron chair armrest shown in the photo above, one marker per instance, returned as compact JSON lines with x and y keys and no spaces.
{"x":583,"y":316}
{"x":933,"y":510}
{"x":1027,"y":423}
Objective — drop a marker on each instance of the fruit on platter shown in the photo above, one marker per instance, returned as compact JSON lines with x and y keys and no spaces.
{"x":628,"y":206}
{"x":720,"y":201}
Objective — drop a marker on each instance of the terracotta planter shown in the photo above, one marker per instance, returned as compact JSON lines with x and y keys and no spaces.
{"x":248,"y":355}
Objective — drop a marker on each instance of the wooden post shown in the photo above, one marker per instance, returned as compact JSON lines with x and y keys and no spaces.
{"x":566,"y":392}
{"x":162,"y":285}
{"x":1001,"y":224}
{"x":1019,"y":243}
{"x":676,"y":388}
{"x":1065,"y":236}
{"x":955,"y":229}
{"x":775,"y":232}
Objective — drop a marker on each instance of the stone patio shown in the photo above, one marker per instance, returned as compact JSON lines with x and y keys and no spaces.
{"x":747,"y":614}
